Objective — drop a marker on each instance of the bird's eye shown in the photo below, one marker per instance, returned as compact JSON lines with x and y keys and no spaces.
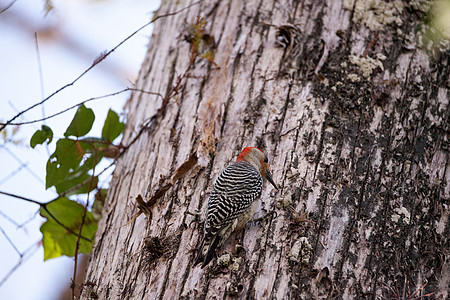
{"x":266,"y":160}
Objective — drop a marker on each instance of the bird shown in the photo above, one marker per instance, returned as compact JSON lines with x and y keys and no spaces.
{"x":233,"y":200}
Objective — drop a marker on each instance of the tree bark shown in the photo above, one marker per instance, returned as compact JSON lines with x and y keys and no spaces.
{"x":354,"y":117}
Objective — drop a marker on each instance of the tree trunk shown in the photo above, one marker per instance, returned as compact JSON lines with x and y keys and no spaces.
{"x":354,"y":117}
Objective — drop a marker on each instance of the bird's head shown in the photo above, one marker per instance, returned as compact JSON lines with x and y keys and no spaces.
{"x":259,"y":160}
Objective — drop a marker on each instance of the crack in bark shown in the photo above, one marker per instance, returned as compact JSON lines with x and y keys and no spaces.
{"x":321,"y":224}
{"x":278,"y":278}
{"x":319,"y":148}
{"x":353,"y":220}
{"x":277,"y":137}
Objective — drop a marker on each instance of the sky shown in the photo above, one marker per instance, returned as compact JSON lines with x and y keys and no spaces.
{"x":69,"y":39}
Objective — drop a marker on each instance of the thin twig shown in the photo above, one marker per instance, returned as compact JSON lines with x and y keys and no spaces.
{"x":19,"y":226}
{"x":64,"y":226}
{"x":41,"y":81}
{"x":370,"y":45}
{"x":7,"y":6}
{"x":77,"y":245}
{"x":41,"y":76}
{"x":11,"y":242}
{"x":84,"y":101}
{"x":23,"y":198}
{"x":13,"y":173}
{"x":33,"y":248}
{"x":96,"y":62}
{"x":29,"y":219}
{"x":9,"y":219}
{"x":29,"y":170}
{"x":44,"y":206}
{"x":176,"y":12}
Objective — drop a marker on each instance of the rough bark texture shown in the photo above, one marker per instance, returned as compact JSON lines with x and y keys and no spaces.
{"x":354,"y":117}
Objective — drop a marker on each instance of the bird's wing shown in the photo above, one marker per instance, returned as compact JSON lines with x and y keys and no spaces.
{"x":234,"y":191}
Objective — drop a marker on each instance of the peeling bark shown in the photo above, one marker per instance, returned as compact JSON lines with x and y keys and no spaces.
{"x":355,"y":120}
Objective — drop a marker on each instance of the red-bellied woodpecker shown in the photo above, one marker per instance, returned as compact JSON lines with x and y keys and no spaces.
{"x":233,"y":201}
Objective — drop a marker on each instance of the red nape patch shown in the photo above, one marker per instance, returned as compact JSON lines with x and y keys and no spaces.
{"x":246,"y":151}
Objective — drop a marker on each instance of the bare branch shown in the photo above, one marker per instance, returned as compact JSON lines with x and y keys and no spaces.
{"x":176,"y":12}
{"x":29,"y":170}
{"x":8,"y":6}
{"x":23,"y":257}
{"x":81,"y":227}
{"x":23,"y":198}
{"x":44,"y":206}
{"x":9,"y":219}
{"x":13,"y":173}
{"x":18,"y":226}
{"x":29,"y":219}
{"x":10,"y":242}
{"x":84,"y":101}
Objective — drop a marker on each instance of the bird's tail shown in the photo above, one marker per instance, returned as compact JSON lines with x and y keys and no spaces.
{"x":207,"y":250}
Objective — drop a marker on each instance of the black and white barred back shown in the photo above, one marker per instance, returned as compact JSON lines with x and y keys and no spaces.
{"x":230,"y":203}
{"x":236,"y":188}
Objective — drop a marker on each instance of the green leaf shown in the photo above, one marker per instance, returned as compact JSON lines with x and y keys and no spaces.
{"x":65,"y":168}
{"x":68,"y":153}
{"x":84,"y":180}
{"x":113,"y":127}
{"x":81,"y":123}
{"x":56,"y":239}
{"x":67,"y":156}
{"x":41,"y":135}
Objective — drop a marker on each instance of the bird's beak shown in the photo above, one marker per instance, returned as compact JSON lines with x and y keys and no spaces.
{"x":269,"y":177}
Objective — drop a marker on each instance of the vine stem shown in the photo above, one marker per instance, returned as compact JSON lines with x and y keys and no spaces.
{"x":81,"y":228}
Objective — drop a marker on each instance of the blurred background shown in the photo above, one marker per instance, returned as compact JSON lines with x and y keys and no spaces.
{"x":43,"y":46}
